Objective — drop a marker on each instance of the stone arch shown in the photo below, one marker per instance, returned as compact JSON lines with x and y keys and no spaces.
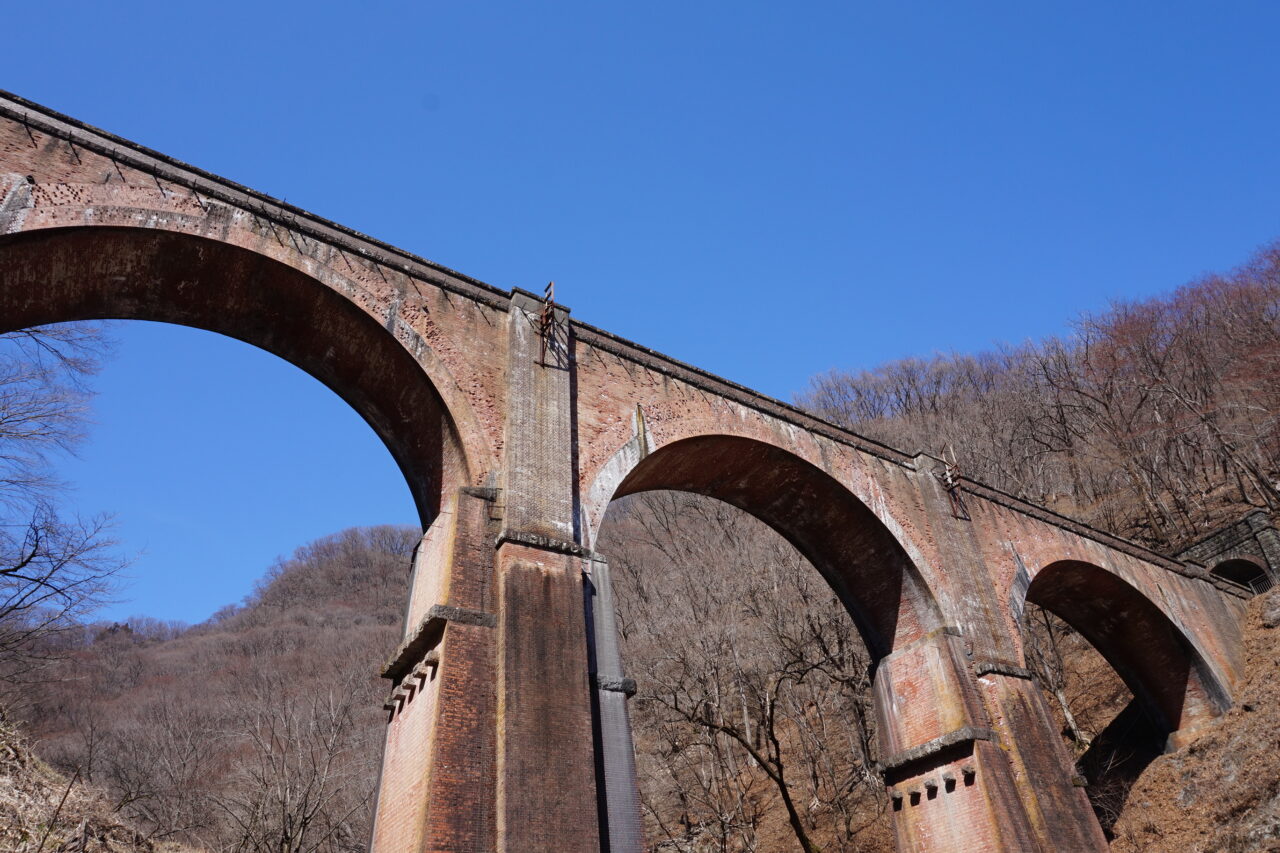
{"x":865,"y":563}
{"x":1160,"y":664}
{"x":101,"y":272}
{"x":1246,"y":572}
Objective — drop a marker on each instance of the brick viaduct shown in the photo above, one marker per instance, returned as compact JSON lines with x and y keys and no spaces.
{"x":507,"y":720}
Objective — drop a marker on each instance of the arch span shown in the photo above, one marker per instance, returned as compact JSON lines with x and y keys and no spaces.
{"x":853,"y":549}
{"x":1245,"y":571}
{"x":120,"y":273}
{"x":1155,"y":658}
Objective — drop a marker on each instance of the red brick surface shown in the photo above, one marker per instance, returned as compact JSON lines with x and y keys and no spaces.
{"x":1059,"y":812}
{"x":980,"y":811}
{"x":923,"y":692}
{"x":439,"y":785}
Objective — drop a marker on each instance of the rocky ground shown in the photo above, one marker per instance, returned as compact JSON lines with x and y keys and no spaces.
{"x":1221,"y":794}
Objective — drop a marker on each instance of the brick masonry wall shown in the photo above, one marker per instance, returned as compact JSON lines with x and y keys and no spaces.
{"x":1059,"y":814}
{"x":439,"y":779}
{"x":1253,"y":538}
{"x":401,"y":818}
{"x":966,"y":801}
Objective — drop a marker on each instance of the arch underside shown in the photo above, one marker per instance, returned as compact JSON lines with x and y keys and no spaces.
{"x":1246,"y":572}
{"x":1146,"y":649}
{"x":865,"y":565}
{"x":112,"y":273}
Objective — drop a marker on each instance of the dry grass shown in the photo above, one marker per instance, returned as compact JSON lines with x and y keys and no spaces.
{"x":42,"y":811}
{"x":1221,"y":793}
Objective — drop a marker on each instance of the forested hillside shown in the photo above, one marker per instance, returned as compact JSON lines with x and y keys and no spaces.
{"x":42,"y":809}
{"x":259,"y":730}
{"x":753,"y":722}
{"x":1155,"y":420}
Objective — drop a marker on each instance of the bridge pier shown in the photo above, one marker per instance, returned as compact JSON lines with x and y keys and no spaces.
{"x":972,"y":763}
{"x":546,"y":762}
{"x":1053,"y":796}
{"x":948,"y":782}
{"x":489,"y":738}
{"x":438,"y":788}
{"x":618,"y":797}
{"x":546,"y":793}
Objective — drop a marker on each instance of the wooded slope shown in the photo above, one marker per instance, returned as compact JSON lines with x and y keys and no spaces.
{"x":258,"y":730}
{"x":1154,"y":420}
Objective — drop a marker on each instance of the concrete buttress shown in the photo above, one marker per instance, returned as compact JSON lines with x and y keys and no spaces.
{"x":546,"y":760}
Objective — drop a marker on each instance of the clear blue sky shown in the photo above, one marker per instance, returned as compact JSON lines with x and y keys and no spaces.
{"x":766,"y":190}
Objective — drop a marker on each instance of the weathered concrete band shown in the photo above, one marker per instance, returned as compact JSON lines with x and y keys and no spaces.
{"x":626,"y":686}
{"x":995,"y":667}
{"x":428,"y":634}
{"x":937,"y":745}
{"x":542,"y":543}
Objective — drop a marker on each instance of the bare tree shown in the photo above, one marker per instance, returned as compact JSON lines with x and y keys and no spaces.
{"x":256,"y":730}
{"x":53,"y":570}
{"x":53,"y":573}
{"x":752,"y":680}
{"x":306,"y":772}
{"x":1157,"y":420}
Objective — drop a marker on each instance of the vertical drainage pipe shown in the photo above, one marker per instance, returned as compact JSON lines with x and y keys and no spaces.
{"x":621,"y":830}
